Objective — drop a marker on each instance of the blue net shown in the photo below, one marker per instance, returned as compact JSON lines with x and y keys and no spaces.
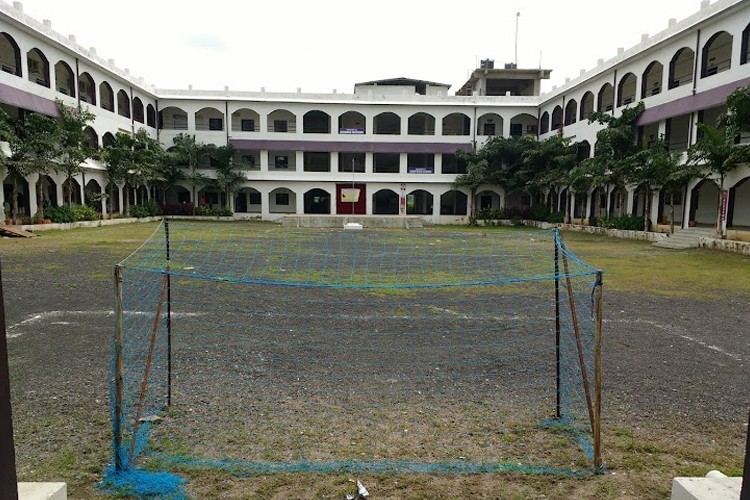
{"x":255,"y":349}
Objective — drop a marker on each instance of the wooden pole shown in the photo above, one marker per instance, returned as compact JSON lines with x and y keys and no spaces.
{"x":558,"y":413}
{"x":147,"y":369}
{"x":117,"y":417}
{"x":8,"y":478}
{"x":598,"y":371}
{"x":169,"y":317}
{"x":579,"y":343}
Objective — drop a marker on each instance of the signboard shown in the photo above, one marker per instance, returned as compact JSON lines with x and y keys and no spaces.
{"x":402,"y":201}
{"x":724,"y":204}
{"x":349,"y":195}
{"x":421,"y":170}
{"x":351,"y":131}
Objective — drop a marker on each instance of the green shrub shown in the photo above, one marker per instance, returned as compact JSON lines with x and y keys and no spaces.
{"x":540,"y":213}
{"x":73,"y":213}
{"x":626,"y":222}
{"x":214,"y":212}
{"x":149,"y":209}
{"x":490,"y":215}
{"x":555,"y":218}
{"x":83,"y":212}
{"x":138,"y":211}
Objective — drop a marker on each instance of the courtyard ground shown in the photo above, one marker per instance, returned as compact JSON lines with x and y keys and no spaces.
{"x":676,"y":355}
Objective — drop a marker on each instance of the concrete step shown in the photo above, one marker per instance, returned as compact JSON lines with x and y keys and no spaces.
{"x":686,"y":238}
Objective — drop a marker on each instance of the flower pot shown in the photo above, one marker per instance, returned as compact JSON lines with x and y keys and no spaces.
{"x":47,"y":221}
{"x":692,"y":223}
{"x":8,"y":222}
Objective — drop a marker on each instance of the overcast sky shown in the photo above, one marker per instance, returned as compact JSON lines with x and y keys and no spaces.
{"x":321,"y":45}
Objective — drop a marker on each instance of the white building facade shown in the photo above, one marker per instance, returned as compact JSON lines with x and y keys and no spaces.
{"x":393,"y":140}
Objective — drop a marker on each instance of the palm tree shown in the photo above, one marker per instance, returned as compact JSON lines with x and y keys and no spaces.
{"x":187,"y":152}
{"x":717,"y":148}
{"x":477,"y":173}
{"x":228,"y":176}
{"x":717,"y":152}
{"x":652,"y":167}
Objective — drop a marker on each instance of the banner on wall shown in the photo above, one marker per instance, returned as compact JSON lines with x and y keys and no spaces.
{"x":349,"y":195}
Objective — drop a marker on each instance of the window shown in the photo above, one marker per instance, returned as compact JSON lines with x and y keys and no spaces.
{"x":281,"y":162}
{"x":279,"y":125}
{"x":180,"y":121}
{"x":254,"y":198}
{"x":215,"y":124}
{"x":516,"y":129}
{"x":249,"y":160}
{"x":247,"y":125}
{"x":282,"y":198}
{"x":489,"y":129}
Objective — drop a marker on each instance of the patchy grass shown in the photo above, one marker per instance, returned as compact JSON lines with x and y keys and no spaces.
{"x":72,"y":444}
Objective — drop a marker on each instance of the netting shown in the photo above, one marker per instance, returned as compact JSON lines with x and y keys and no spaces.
{"x":255,"y":349}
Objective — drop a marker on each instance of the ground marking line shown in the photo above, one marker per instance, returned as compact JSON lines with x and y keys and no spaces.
{"x":672,"y":330}
{"x":40,"y":317}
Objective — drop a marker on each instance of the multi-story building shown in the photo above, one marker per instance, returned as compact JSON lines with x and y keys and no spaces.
{"x":394,"y":141}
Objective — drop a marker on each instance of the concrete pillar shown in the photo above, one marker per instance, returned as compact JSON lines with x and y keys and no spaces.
{"x":32,"y":180}
{"x":60,"y":193}
{"x":82,"y":187}
{"x":654,"y":210}
{"x":572,"y":207}
{"x":506,"y":127}
{"x":299,"y":161}
{"x":3,"y":174}
{"x":369,"y":162}
{"x":121,"y":197}
{"x":299,"y":203}
{"x":588,"y":206}
{"x":631,"y":197}
{"x":265,"y":204}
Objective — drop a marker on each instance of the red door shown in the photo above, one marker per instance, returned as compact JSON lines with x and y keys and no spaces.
{"x":351,"y":199}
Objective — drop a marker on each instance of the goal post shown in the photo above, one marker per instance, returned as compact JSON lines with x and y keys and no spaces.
{"x":270,"y":349}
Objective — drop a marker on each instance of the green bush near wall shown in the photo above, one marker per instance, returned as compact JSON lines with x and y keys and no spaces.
{"x":73,"y":213}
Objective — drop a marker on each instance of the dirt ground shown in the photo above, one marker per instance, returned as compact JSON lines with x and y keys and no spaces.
{"x":675,"y":388}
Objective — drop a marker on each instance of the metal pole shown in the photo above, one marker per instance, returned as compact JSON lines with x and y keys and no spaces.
{"x":8,"y":478}
{"x":598,"y":371}
{"x":117,"y":417}
{"x":558,"y":414}
{"x":169,"y":318}
{"x":518,"y":14}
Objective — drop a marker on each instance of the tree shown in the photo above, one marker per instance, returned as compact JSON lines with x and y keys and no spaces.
{"x":546,"y":164}
{"x":653,"y":167}
{"x":616,"y":152}
{"x":148,"y":156}
{"x":228,"y":177}
{"x":31,"y":139}
{"x":187,"y":152}
{"x":477,"y":170}
{"x":717,"y":152}
{"x":73,"y":148}
{"x":118,"y":159}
